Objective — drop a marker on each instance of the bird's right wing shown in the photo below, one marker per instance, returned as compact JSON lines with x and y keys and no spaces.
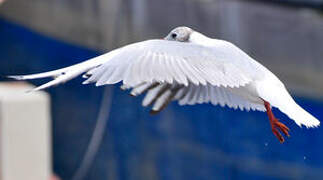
{"x":155,"y":61}
{"x":169,"y":62}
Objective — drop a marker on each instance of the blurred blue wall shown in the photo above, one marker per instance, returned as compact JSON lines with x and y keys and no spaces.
{"x":189,"y":142}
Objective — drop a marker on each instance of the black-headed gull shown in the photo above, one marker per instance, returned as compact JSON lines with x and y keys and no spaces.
{"x":188,"y":67}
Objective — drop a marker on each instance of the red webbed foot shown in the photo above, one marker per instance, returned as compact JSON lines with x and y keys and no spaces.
{"x":276,"y":126}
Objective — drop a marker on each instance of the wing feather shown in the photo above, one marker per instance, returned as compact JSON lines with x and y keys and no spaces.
{"x":159,"y":95}
{"x":165,"y":61}
{"x":218,"y":95}
{"x":162,"y":62}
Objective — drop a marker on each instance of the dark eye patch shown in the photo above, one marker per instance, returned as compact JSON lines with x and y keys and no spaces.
{"x":174,"y":35}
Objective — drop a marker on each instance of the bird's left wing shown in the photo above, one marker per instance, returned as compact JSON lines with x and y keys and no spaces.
{"x":160,"y":95}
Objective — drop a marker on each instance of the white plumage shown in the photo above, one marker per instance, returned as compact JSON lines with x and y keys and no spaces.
{"x":190,"y":68}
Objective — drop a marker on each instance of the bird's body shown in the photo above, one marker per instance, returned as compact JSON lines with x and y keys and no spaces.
{"x":190,"y":68}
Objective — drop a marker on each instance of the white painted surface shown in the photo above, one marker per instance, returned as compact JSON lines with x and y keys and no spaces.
{"x":25,"y":141}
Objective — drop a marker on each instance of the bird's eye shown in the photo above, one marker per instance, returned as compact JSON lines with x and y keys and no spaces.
{"x":174,"y":35}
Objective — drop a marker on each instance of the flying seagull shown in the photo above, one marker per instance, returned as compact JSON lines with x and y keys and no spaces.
{"x":191,"y":68}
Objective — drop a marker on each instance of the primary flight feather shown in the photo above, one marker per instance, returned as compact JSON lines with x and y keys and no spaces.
{"x":188,"y":67}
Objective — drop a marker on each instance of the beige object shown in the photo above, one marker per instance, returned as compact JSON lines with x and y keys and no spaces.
{"x":24,"y":133}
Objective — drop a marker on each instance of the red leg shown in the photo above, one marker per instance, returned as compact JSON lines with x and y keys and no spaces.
{"x":275,"y":124}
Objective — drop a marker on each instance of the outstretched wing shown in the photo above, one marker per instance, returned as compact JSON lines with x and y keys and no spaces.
{"x":168,"y":62}
{"x":155,"y":61}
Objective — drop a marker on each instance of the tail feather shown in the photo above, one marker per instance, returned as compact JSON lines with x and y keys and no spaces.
{"x":278,"y":96}
{"x":302,"y":117}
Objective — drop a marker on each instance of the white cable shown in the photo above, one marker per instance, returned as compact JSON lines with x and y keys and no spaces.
{"x":102,"y":117}
{"x":97,"y":136}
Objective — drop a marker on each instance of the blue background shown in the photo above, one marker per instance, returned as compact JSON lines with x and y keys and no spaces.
{"x":182,"y":142}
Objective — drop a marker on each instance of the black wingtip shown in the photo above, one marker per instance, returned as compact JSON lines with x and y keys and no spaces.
{"x":153,"y":112}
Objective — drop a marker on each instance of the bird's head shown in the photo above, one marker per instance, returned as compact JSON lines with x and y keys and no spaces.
{"x":181,"y":34}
